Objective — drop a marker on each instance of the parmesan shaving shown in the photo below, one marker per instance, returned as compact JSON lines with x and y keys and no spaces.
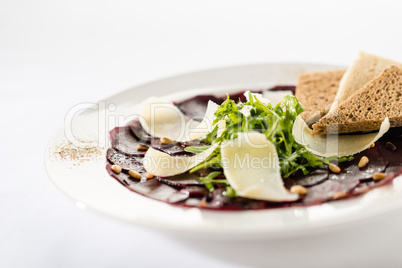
{"x":206,"y":125}
{"x":339,"y":145}
{"x":251,"y":166}
{"x":246,"y":110}
{"x":164,"y":165}
{"x":161,"y":118}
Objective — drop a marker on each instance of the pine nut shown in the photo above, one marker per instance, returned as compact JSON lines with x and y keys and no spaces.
{"x":372,"y":145}
{"x":134,"y":174}
{"x":338,"y":195}
{"x":149,"y":175}
{"x":363,"y":161}
{"x":298,"y":189}
{"x":334,"y":168}
{"x":142,"y":147}
{"x":166,"y":141}
{"x":116,"y":169}
{"x":379,"y":176}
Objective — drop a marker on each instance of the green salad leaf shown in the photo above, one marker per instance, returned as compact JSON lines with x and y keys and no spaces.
{"x":275,"y":122}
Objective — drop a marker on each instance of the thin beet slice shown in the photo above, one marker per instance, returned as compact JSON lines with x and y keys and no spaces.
{"x":347,"y":185}
{"x":182,"y":180}
{"x":159,"y":191}
{"x":284,"y":88}
{"x":246,"y":203}
{"x":393,"y":155}
{"x":123,"y":140}
{"x":288,"y":183}
{"x":195,"y":191}
{"x":144,"y":138}
{"x":214,"y":200}
{"x":363,"y":187}
{"x":390,"y":177}
{"x":322,"y":192}
{"x":315,"y":177}
{"x":191,"y":143}
{"x":139,"y":132}
{"x":367,"y":185}
{"x":197,"y":106}
{"x":171,"y":149}
{"x":151,"y":188}
{"x":127,"y":162}
{"x":350,"y":170}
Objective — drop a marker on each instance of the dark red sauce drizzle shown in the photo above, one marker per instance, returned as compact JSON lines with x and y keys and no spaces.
{"x":187,"y":189}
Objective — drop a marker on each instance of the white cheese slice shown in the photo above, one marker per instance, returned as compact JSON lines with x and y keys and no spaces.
{"x":161,"y":118}
{"x":251,"y":166}
{"x":206,"y":125}
{"x":364,"y":68}
{"x":339,"y":145}
{"x":246,"y":110}
{"x":164,"y":165}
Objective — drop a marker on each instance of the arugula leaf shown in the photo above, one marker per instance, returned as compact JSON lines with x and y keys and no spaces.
{"x":275,"y":122}
{"x":211,"y":136}
{"x":213,"y":161}
{"x":230,"y":191}
{"x":210,"y":179}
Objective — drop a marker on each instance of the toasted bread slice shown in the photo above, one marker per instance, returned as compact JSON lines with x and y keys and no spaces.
{"x":364,"y":68}
{"x":316,"y":91}
{"x":368,"y":107}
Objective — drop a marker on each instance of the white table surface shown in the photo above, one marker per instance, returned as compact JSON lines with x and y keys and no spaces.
{"x":55,"y":54}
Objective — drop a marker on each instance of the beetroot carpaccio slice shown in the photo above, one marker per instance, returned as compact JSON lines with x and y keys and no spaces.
{"x":139,"y":133}
{"x":182,"y":180}
{"x":197,"y":106}
{"x":187,"y":189}
{"x":123,"y":140}
{"x":314,"y":177}
{"x":151,"y":188}
{"x":127,"y":162}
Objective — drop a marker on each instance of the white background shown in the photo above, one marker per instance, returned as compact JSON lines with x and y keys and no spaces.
{"x":55,"y":54}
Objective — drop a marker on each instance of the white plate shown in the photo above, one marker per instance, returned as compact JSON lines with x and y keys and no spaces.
{"x":89,"y":185}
